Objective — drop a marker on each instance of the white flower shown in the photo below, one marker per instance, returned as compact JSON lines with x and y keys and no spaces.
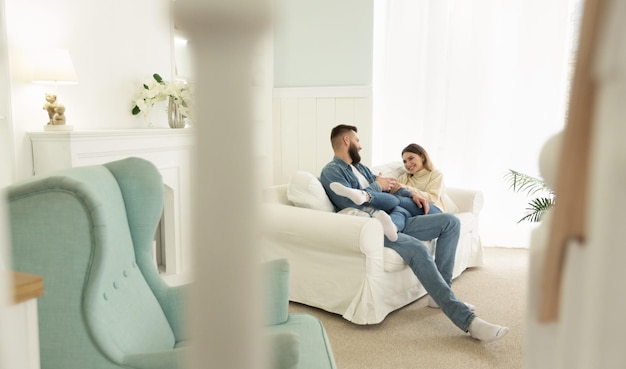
{"x":160,"y":90}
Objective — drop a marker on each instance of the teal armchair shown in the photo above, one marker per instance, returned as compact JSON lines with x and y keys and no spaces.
{"x":88,"y":231}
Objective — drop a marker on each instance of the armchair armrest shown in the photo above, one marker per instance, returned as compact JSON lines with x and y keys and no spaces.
{"x":276,"y":288}
{"x":466,"y":199}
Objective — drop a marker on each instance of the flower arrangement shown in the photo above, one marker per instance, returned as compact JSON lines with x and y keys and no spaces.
{"x":159,"y":90}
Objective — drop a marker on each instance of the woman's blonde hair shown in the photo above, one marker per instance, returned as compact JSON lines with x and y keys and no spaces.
{"x":417,"y":149}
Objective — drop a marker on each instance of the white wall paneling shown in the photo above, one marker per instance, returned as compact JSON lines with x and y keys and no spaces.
{"x":303,"y":118}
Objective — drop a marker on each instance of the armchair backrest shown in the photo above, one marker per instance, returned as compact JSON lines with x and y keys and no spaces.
{"x":78,"y":229}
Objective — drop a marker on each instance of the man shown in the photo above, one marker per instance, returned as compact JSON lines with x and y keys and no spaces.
{"x":434,"y":274}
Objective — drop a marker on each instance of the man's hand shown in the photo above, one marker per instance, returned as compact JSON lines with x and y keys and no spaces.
{"x":421,"y":202}
{"x":385,"y":183}
{"x":396,"y":187}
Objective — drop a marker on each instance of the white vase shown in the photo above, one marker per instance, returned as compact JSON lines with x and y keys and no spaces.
{"x":174,"y":117}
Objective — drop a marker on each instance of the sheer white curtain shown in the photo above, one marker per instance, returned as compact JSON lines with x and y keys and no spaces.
{"x":481,"y":84}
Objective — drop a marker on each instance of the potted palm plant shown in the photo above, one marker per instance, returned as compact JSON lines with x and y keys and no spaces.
{"x":542,"y":197}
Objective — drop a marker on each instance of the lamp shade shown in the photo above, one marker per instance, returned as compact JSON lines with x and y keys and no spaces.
{"x":53,"y":67}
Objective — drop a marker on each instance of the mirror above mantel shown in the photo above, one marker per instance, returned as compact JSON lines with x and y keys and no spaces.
{"x":182,"y":58}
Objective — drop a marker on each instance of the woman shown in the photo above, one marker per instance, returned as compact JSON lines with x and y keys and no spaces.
{"x":421,"y":177}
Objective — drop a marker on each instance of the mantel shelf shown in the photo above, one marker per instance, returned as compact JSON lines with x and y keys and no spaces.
{"x":110,"y":133}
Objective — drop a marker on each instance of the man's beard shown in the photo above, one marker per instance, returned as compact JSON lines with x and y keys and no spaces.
{"x":354,"y":154}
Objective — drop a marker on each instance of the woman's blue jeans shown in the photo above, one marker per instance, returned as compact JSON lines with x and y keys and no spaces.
{"x":435,"y":274}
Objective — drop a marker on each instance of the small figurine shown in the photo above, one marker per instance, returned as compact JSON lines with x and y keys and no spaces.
{"x":59,"y":115}
{"x":50,"y":105}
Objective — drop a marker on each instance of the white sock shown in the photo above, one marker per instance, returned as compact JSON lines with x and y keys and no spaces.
{"x":485,"y":331}
{"x":390,"y":229}
{"x":434,"y":305}
{"x":359,"y":197}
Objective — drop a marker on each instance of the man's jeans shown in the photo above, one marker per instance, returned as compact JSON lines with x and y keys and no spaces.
{"x":399,"y":208}
{"x":434,"y":274}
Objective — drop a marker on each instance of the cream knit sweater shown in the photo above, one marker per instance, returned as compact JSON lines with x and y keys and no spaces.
{"x":426,"y":183}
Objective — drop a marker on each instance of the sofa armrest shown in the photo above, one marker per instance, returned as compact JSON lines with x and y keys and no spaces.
{"x":466,"y":199}
{"x":276,"y":194}
{"x":333,"y":233}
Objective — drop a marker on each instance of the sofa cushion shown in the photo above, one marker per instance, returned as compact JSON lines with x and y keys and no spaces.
{"x":315,"y":351}
{"x":166,"y":359}
{"x":283,"y":349}
{"x":306,"y":191}
{"x":393,"y":260}
{"x":468,"y":220}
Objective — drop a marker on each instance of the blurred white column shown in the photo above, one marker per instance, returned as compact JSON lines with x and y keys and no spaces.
{"x":225,"y":316}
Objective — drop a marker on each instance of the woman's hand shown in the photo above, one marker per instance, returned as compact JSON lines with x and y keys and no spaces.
{"x":421,"y":201}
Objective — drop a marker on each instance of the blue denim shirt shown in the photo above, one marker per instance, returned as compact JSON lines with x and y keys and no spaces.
{"x":340,"y":171}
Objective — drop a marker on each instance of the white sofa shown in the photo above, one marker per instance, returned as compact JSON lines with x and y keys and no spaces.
{"x":338,"y":260}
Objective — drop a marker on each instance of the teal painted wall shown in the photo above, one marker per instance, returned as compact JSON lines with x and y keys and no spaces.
{"x":323,"y":43}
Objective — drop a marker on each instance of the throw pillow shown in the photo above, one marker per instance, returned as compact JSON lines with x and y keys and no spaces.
{"x":306,"y":191}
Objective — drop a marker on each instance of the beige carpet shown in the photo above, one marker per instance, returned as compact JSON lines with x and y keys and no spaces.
{"x":420,"y":337}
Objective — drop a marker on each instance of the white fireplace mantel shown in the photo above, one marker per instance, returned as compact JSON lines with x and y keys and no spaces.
{"x":63,"y":149}
{"x":169,"y":149}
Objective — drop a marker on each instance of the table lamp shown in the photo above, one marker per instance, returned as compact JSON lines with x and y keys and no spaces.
{"x":54,"y":67}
